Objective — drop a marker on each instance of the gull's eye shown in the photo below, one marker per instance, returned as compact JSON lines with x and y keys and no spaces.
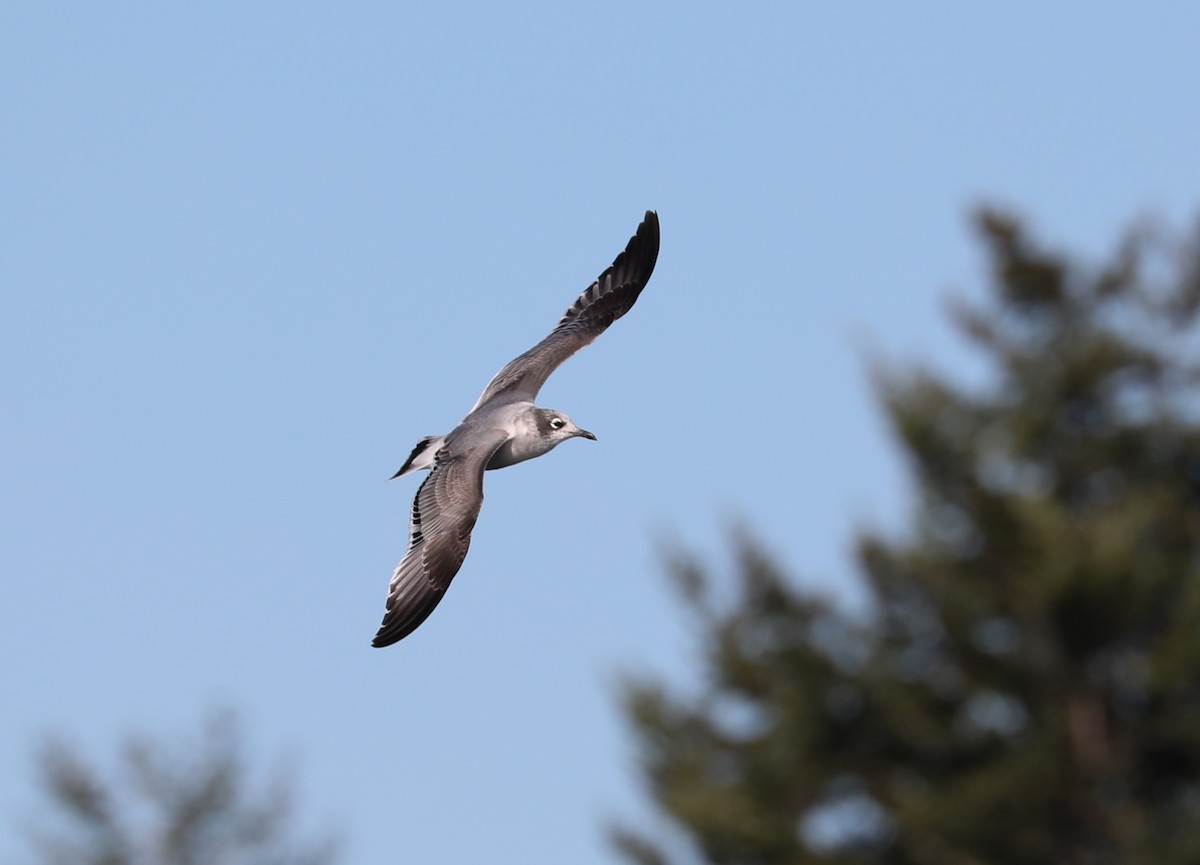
{"x":557,"y":423}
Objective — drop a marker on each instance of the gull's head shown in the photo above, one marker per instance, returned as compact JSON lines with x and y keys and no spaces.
{"x":555,"y":426}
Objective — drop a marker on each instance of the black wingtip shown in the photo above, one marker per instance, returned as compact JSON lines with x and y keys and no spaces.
{"x":393,"y":632}
{"x":390,"y":633}
{"x":648,"y":232}
{"x":636,"y":263}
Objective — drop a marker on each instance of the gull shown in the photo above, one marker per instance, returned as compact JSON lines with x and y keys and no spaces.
{"x":502,"y":429}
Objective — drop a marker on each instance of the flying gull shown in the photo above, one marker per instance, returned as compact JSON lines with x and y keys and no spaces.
{"x":503,"y":428}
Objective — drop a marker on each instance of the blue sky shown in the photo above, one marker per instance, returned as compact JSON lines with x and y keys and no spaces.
{"x":251,"y":252}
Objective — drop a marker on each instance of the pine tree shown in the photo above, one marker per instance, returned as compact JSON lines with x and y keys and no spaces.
{"x":188,"y":805}
{"x":1026,"y":686}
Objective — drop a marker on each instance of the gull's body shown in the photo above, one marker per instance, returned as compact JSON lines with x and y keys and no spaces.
{"x":503,"y":428}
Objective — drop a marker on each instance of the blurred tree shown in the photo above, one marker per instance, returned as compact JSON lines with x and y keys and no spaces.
{"x":168,"y":806}
{"x":1026,"y":686}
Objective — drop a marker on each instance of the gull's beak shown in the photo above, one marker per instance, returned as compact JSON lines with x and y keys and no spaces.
{"x":586,"y":434}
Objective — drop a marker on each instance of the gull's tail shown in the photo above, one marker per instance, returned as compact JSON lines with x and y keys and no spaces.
{"x":421,"y":456}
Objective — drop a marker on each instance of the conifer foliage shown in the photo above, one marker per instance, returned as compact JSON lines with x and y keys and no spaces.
{"x":1026,"y":687}
{"x":165,"y":804}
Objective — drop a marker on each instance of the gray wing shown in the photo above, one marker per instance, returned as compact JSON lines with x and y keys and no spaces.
{"x":605,"y":300}
{"x":443,"y":514}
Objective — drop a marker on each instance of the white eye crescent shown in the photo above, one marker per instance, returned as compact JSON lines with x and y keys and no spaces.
{"x":557,"y":423}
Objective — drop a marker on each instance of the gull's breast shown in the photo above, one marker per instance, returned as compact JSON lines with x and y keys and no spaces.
{"x":525,"y":442}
